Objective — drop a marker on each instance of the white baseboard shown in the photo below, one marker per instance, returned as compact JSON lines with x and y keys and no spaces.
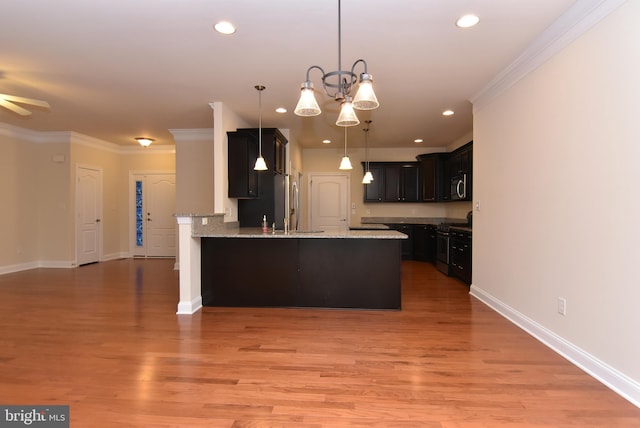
{"x":190,"y":308}
{"x":18,"y":268}
{"x":620,"y":383}
{"x":56,"y":264}
{"x":115,"y":256}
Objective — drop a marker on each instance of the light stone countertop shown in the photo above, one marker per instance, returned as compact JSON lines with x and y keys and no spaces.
{"x":255,"y":232}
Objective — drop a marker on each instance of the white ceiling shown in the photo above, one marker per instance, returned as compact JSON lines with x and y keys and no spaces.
{"x":118,"y":69}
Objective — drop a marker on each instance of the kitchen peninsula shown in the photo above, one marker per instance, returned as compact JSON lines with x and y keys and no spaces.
{"x":230,"y":266}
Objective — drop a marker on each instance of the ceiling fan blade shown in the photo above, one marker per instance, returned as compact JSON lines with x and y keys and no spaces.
{"x":14,"y":108}
{"x":23,"y":100}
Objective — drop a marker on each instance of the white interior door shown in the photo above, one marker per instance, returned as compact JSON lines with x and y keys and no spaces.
{"x":155,"y":231}
{"x":89,"y":216}
{"x":328,"y":202}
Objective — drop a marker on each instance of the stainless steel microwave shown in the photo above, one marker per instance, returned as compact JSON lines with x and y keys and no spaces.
{"x":459,"y":187}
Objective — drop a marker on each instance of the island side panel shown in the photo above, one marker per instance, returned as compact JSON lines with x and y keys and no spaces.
{"x":301,"y":272}
{"x":350,"y":273}
{"x":250,"y":272}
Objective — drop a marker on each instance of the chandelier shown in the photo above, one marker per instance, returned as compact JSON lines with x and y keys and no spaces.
{"x":338,"y":85}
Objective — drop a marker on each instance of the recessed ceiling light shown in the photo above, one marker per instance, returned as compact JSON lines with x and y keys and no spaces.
{"x":467,"y":21}
{"x":281,"y":110}
{"x":224,"y":27}
{"x":326,"y":141}
{"x":447,"y":113}
{"x":418,"y":140}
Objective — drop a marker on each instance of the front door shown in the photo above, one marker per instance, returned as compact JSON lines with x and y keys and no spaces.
{"x":89,"y":214}
{"x":155,"y":226}
{"x":328,"y":201}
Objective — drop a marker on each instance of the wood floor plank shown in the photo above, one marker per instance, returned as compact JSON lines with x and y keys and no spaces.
{"x":105,"y":339}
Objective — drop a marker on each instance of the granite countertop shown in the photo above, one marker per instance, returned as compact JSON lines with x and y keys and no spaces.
{"x":410,"y":220}
{"x":461,"y":228}
{"x":255,"y":232}
{"x":369,"y":226}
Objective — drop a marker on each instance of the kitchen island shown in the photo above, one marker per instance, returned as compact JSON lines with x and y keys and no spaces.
{"x":227,"y":266}
{"x":353,"y":269}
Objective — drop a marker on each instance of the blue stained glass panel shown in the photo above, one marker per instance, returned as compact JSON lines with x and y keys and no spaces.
{"x":139,"y":213}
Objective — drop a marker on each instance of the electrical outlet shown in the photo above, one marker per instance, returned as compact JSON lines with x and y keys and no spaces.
{"x":562,"y":306}
{"x":205,"y":221}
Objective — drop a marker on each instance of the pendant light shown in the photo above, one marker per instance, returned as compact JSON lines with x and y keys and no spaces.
{"x":339,"y":85}
{"x":345,"y":163}
{"x":260,"y":165}
{"x":368,"y":177}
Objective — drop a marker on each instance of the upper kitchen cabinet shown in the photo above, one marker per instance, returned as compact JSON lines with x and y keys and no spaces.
{"x":432,"y":173}
{"x":374,"y":191}
{"x":393,"y":182}
{"x":461,"y":160}
{"x":401,"y":182}
{"x":244,"y":181}
{"x":460,"y":167}
{"x":439,"y":170}
{"x":242,"y":154}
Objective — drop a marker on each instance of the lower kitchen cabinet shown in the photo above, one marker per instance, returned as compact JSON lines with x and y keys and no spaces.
{"x":407,"y":244}
{"x":424,"y":242}
{"x":460,"y":255}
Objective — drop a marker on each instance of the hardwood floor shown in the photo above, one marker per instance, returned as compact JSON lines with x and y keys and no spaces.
{"x":105,"y":339}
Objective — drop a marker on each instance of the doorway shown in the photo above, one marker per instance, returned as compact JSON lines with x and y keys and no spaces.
{"x":328,"y":202}
{"x":88,"y":215}
{"x":153,"y":204}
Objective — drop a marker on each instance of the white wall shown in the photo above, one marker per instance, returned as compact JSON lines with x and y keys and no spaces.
{"x":557,"y":176}
{"x":37,"y":169}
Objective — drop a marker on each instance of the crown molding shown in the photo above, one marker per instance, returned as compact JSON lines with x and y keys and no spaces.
{"x":574,"y":22}
{"x":195,"y":134}
{"x":19,"y":133}
{"x":94,"y":143}
{"x":70,"y":137}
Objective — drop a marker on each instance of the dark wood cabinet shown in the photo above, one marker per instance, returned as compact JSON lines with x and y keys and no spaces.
{"x":401,"y":182}
{"x":242,"y":148}
{"x":407,"y":244}
{"x":242,"y":153}
{"x":393,"y":182}
{"x":424,"y":242}
{"x":432,"y":176}
{"x":374,"y":191}
{"x":280,"y":153}
{"x":460,"y":160}
{"x":438,"y":169}
{"x":258,"y":192}
{"x":460,"y":255}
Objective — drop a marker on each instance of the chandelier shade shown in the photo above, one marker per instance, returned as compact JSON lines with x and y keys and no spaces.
{"x":347,"y":115}
{"x":365,"y":98}
{"x":338,"y":85}
{"x":307,"y":104}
